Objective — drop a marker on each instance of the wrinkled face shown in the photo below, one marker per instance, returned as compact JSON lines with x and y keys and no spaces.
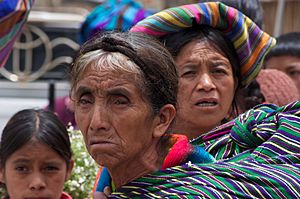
{"x":206,"y":88}
{"x":35,"y":171}
{"x":114,"y":119}
{"x":287,"y":64}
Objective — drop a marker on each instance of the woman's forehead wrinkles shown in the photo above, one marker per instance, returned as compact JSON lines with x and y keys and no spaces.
{"x":101,"y":84}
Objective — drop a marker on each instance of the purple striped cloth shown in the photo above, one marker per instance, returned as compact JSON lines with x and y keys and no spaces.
{"x":258,"y":156}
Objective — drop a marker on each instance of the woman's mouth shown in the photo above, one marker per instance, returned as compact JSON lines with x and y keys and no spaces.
{"x":206,"y":104}
{"x":96,"y":142}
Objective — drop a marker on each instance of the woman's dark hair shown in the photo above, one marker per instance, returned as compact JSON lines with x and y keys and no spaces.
{"x":40,"y":124}
{"x":250,"y":96}
{"x":159,"y":82}
{"x":176,"y":41}
{"x":287,"y":44}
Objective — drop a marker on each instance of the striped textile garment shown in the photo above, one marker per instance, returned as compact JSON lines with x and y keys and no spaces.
{"x":13,"y":16}
{"x":250,"y":43}
{"x":258,"y":156}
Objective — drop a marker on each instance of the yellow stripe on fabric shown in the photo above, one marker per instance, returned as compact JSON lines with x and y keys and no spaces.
{"x":242,"y":37}
{"x":280,"y":147}
{"x":196,"y":180}
{"x":120,"y":194}
{"x":214,"y":8}
{"x":261,"y":195}
{"x":256,"y":52}
{"x":168,"y":193}
{"x":292,"y":141}
{"x":171,"y":19}
{"x":153,"y":195}
{"x":213,"y":179}
{"x":283,"y":178}
{"x":185,"y":19}
{"x":288,"y":140}
{"x":289,"y":126}
{"x":137,"y":193}
{"x":202,"y":183}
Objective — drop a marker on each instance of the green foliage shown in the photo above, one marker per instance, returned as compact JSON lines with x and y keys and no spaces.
{"x":81,"y":183}
{"x":2,"y":191}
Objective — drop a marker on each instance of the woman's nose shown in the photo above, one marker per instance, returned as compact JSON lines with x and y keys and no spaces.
{"x":99,"y":120}
{"x":37,"y":182}
{"x":205,"y":82}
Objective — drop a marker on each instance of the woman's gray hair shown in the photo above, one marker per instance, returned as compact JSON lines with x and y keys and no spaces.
{"x":135,"y":53}
{"x":100,"y":60}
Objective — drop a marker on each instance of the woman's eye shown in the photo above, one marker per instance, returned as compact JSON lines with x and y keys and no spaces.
{"x":220,"y":71}
{"x":21,"y":169}
{"x":121,"y":101}
{"x":51,"y":168}
{"x":83,"y":101}
{"x":188,"y":73}
{"x":294,"y":74}
{"x":220,"y":68}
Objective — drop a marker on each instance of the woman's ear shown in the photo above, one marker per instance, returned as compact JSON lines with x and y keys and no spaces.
{"x":164,"y":119}
{"x":69,"y":170}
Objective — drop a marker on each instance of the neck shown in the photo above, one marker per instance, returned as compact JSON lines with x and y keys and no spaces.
{"x":147,"y":161}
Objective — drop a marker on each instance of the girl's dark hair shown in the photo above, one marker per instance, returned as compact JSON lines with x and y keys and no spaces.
{"x":176,"y":41}
{"x":40,"y":124}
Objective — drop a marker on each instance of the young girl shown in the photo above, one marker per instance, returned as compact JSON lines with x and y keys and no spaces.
{"x":35,"y":156}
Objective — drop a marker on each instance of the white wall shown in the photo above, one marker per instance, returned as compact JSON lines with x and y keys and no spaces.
{"x":18,"y":96}
{"x":9,"y":106}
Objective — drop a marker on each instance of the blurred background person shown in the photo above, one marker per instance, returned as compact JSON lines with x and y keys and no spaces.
{"x":285,"y":56}
{"x":270,"y":86}
{"x":119,"y":15}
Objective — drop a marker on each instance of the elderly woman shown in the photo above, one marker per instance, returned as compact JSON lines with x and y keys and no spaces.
{"x":125,"y":97}
{"x":257,"y":153}
{"x":215,"y":56}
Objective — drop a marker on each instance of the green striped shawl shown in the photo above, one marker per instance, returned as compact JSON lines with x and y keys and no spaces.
{"x":258,"y":157}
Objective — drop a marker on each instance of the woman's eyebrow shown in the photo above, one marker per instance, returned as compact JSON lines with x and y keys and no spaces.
{"x":53,"y":162}
{"x":21,"y":160}
{"x":292,"y":66}
{"x":189,"y":65}
{"x":82,"y":89}
{"x":223,"y":62}
{"x":118,"y":90}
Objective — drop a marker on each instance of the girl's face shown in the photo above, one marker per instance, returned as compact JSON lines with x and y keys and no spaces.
{"x":35,"y":171}
{"x":287,"y":64}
